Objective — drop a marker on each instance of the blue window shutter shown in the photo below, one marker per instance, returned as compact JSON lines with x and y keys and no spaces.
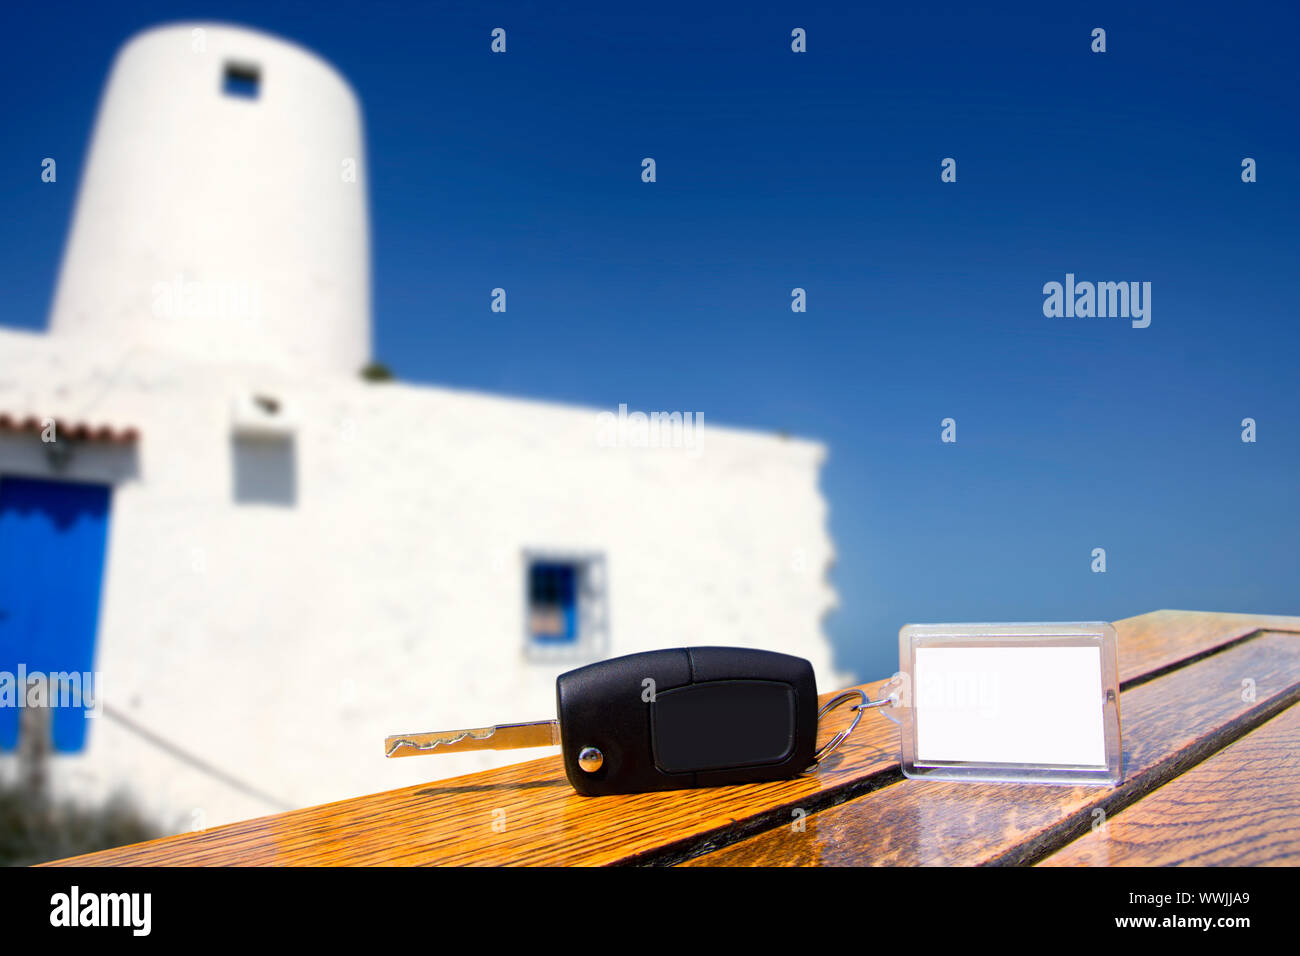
{"x":553,"y":590}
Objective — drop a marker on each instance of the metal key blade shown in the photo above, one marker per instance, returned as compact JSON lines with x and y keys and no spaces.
{"x":537,"y":733}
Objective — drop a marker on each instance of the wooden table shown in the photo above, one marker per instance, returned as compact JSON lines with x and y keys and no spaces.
{"x":1211,"y":776}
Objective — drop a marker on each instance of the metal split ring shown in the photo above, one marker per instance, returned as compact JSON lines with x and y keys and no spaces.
{"x":864,"y":704}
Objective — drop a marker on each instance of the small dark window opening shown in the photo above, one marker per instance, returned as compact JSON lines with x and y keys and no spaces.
{"x":266,"y":471}
{"x":242,"y":79}
{"x":552,"y":602}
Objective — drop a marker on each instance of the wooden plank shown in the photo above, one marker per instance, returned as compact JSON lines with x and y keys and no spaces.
{"x":1239,"y":808}
{"x":1169,"y":724}
{"x":539,"y":820}
{"x":1161,"y":640}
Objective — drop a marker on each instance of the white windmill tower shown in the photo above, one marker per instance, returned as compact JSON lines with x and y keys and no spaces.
{"x":222,"y":210}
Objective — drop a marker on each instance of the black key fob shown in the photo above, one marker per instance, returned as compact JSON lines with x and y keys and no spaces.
{"x":687,"y":717}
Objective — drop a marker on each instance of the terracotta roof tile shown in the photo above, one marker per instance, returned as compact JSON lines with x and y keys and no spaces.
{"x":63,"y":428}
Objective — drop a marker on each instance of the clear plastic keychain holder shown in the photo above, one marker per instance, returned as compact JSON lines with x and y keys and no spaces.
{"x":1026,"y":703}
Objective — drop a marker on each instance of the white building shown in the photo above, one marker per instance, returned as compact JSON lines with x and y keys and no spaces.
{"x":272,"y":563}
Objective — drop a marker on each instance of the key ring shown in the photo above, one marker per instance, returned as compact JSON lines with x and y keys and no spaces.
{"x":830,"y":746}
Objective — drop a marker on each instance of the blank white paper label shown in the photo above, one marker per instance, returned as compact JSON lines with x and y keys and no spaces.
{"x":1031,"y":705}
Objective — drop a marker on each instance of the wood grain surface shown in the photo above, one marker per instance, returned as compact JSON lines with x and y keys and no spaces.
{"x":1169,"y":724}
{"x":1239,"y":808}
{"x":519,"y":815}
{"x":1153,"y":643}
{"x":526,"y":814}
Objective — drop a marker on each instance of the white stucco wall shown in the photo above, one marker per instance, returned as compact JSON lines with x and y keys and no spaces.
{"x":280,"y":644}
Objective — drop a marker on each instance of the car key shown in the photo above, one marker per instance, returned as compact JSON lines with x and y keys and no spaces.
{"x":666,"y":720}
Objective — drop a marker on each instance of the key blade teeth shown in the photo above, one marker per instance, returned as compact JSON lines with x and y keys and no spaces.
{"x":540,"y":733}
{"x":412,"y":744}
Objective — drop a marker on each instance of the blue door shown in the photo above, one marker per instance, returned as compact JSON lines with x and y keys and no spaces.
{"x":52,"y":536}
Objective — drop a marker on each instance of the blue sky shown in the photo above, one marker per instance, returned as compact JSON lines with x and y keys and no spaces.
{"x":821,"y":170}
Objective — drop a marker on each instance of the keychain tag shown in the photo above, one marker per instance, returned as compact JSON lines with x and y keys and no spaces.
{"x":1028,"y":703}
